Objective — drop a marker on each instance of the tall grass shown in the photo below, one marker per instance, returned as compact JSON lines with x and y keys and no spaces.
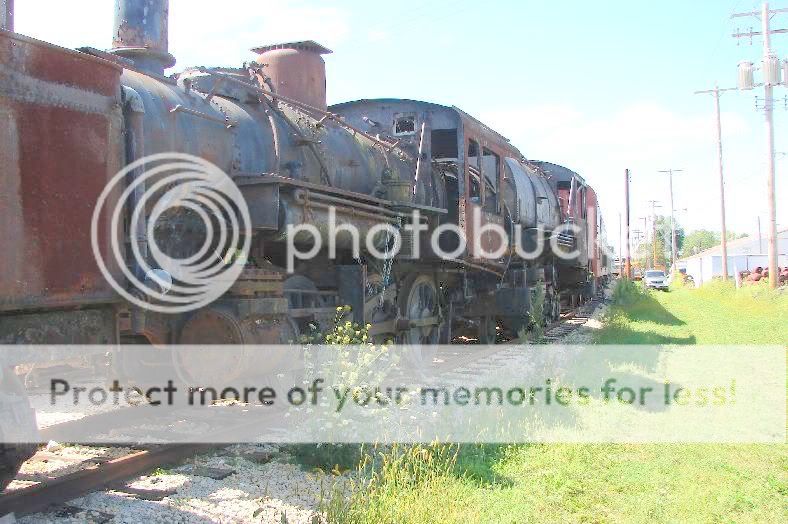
{"x":397,"y":484}
{"x":627,"y":292}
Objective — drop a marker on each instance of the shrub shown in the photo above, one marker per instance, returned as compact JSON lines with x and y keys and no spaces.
{"x":355,"y":363}
{"x":626,"y":292}
{"x":535,"y":316}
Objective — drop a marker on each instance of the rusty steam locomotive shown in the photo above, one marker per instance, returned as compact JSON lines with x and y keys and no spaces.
{"x":71,"y":119}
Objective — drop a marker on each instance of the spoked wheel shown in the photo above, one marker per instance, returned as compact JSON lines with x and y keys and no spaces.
{"x":420,"y":305}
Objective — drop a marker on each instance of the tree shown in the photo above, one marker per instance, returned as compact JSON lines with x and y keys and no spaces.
{"x":645,"y":251}
{"x":644,"y":254}
{"x":703,"y":239}
{"x":664,"y":232}
{"x":700,"y":240}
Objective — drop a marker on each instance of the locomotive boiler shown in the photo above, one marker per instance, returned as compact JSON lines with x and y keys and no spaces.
{"x":71,"y":119}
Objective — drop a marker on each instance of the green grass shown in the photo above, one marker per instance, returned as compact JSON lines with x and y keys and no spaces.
{"x":577,"y":483}
{"x":601,"y":482}
{"x":714,"y":314}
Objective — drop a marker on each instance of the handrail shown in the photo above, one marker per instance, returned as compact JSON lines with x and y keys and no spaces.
{"x":325,"y":114}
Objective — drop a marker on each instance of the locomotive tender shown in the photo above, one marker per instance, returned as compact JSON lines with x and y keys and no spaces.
{"x":71,"y":119}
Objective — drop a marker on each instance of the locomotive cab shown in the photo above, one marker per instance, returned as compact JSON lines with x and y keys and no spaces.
{"x":475,"y":173}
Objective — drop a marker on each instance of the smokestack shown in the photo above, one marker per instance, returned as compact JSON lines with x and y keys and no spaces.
{"x":296,"y":70}
{"x":7,"y":15}
{"x":140,"y":34}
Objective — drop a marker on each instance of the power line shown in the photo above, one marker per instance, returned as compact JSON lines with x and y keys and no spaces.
{"x":672,"y":218}
{"x":654,"y":205}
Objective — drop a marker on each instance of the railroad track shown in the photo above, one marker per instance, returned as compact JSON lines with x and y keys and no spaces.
{"x":61,"y":489}
{"x":572,"y":321}
{"x":100,"y":474}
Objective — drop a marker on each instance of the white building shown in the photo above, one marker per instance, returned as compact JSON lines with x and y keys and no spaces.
{"x":743,"y":253}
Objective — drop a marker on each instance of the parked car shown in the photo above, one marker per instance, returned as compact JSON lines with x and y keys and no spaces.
{"x":655,"y":279}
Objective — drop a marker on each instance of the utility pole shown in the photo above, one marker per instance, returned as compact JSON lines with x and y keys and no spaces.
{"x":643,"y":240}
{"x":654,"y":204}
{"x":672,"y":219}
{"x":716,"y":93}
{"x":771,"y":78}
{"x":620,"y":247}
{"x":637,"y":239}
{"x":627,"y":266}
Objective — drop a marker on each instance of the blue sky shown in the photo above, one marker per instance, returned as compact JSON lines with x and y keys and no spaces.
{"x":596,"y":86}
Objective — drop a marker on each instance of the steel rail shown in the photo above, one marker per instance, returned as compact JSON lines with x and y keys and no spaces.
{"x":61,"y":489}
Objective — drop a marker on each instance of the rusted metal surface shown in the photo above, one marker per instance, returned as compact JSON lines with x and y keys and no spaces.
{"x":87,"y":326}
{"x":384,"y":117}
{"x":141,"y":33}
{"x":39,"y":497}
{"x":295,"y":70}
{"x":592,"y":222}
{"x":239,"y":322}
{"x":573,"y":191}
{"x":60,"y":142}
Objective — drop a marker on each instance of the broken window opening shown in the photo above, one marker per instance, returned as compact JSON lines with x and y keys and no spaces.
{"x":405,"y":125}
{"x":474,"y":172}
{"x":444,"y":143}
{"x":474,"y":190}
{"x":490,"y":198}
{"x":473,"y":149}
{"x":491,"y":165}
